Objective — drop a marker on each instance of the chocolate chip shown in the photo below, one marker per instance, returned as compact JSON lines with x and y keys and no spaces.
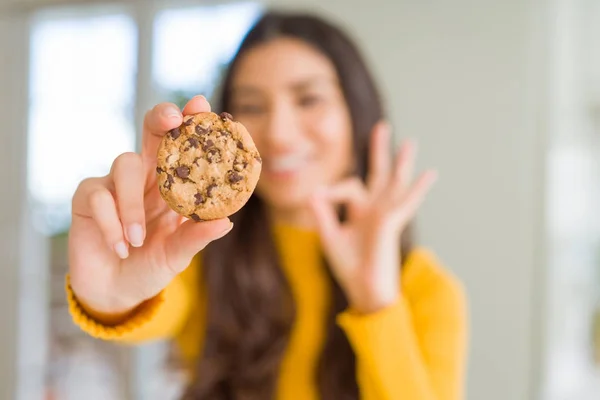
{"x":213,"y":155}
{"x":193,"y":142}
{"x":175,"y":133}
{"x":189,"y":121}
{"x":200,"y":130}
{"x":225,"y":116}
{"x":240,"y":145}
{"x":159,"y":170}
{"x":239,"y":159}
{"x":169,"y":182}
{"x":195,"y":217}
{"x":245,"y":164}
{"x":257,"y":158}
{"x":183,"y":171}
{"x":209,"y":189}
{"x":199,"y":199}
{"x":207,"y":145}
{"x":224,"y":133}
{"x":234,"y":177}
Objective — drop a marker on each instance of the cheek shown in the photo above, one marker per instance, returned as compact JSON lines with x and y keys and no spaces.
{"x":334,"y":140}
{"x":255,"y":127}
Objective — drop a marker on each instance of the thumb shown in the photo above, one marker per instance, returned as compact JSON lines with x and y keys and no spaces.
{"x":190,"y":238}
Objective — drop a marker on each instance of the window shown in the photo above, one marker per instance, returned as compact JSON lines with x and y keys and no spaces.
{"x":82,"y":88}
{"x":187,"y":58}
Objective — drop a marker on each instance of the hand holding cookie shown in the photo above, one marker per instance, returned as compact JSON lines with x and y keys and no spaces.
{"x":364,"y":251}
{"x":126,"y":244}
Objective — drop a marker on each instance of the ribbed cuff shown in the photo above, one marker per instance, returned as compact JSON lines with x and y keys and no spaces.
{"x":137,"y":319}
{"x":375,"y":325}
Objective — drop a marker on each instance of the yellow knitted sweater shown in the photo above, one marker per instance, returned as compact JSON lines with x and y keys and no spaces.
{"x":413,"y":350}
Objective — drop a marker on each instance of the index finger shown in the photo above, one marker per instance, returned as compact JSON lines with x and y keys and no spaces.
{"x":159,"y":121}
{"x":379,"y":158}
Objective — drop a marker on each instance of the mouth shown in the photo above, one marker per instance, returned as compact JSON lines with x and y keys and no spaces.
{"x":285,"y":166}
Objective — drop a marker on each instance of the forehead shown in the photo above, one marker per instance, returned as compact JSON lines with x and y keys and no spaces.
{"x":282,"y":62}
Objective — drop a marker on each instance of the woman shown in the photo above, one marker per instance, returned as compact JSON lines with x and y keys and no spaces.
{"x":318,"y":291}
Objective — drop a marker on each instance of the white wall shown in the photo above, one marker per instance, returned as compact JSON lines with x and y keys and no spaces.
{"x":462,"y":77}
{"x":12,"y":175}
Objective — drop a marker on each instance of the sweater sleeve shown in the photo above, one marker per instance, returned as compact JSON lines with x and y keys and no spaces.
{"x":161,"y":317}
{"x":416,"y":348}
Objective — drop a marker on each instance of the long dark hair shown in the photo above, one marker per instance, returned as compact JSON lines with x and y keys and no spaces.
{"x":249,"y":306}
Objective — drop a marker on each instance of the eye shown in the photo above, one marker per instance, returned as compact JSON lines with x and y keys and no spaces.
{"x":249,"y":109}
{"x":309,"y":100}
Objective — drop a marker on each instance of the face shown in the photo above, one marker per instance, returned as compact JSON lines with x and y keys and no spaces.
{"x":288,"y":96}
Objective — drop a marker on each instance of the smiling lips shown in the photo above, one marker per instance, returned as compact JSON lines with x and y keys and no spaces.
{"x":285,"y":166}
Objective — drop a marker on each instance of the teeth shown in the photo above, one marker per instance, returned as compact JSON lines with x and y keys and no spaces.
{"x":287,"y":163}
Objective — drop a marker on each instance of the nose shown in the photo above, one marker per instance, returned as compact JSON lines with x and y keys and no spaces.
{"x":283,"y":130}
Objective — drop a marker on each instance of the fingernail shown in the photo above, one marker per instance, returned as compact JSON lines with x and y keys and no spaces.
{"x":226,"y":230}
{"x":121,"y":250}
{"x":171,"y":112}
{"x":135,"y":234}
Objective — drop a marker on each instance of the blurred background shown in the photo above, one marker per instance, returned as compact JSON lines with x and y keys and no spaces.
{"x":502,"y":96}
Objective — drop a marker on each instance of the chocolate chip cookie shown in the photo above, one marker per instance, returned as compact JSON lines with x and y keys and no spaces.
{"x":208,"y":167}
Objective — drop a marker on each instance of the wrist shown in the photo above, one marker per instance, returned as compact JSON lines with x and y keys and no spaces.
{"x":104,"y":309}
{"x":373,"y":303}
{"x":107,"y":315}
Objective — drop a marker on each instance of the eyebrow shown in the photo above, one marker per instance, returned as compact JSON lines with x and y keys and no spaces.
{"x":295,"y":86}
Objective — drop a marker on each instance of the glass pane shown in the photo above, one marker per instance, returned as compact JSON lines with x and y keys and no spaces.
{"x":192,"y":46}
{"x":81,"y":99}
